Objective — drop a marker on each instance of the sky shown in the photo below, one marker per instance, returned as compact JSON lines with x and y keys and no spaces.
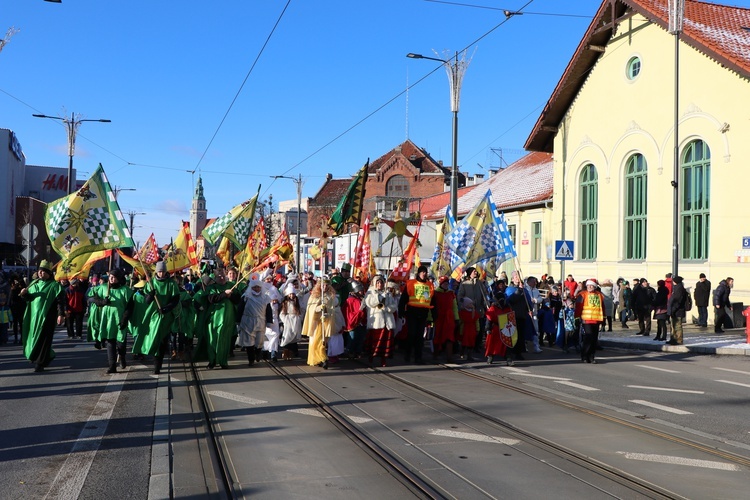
{"x":241,"y":90}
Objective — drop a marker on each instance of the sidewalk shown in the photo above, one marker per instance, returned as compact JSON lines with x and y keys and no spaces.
{"x":695,"y":340}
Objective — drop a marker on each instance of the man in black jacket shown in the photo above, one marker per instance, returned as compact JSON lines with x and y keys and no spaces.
{"x":701,"y":294}
{"x":643,"y":299}
{"x":676,"y":309}
{"x":721,"y":301}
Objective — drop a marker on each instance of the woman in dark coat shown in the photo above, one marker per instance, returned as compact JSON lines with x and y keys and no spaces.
{"x":660,"y":310}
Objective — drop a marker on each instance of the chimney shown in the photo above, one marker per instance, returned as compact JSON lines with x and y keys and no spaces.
{"x":329,"y":177}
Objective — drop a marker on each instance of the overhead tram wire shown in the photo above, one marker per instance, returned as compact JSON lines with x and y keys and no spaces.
{"x":257,"y":58}
{"x":509,"y":12}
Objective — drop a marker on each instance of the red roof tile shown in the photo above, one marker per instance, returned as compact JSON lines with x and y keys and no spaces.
{"x":719,"y":31}
{"x":527,"y":181}
{"x":330,"y":193}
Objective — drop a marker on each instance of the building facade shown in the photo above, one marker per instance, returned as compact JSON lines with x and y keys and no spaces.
{"x":613,"y":122}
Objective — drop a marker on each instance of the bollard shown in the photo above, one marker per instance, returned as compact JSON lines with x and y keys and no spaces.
{"x":746,"y":314}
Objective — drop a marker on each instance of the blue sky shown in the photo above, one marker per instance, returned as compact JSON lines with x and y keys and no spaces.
{"x":166,"y":73}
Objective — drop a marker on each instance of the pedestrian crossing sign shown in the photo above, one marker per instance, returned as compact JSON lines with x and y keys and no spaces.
{"x":563,"y":250}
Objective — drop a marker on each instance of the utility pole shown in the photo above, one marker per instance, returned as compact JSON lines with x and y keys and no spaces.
{"x":298,"y":181}
{"x":8,"y":35}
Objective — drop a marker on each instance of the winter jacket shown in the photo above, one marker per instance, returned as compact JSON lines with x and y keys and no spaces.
{"x":702,"y":293}
{"x":721,"y":294}
{"x":676,"y":306}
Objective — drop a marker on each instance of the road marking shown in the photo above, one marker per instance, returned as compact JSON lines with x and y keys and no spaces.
{"x":236,"y":397}
{"x":691,"y":462}
{"x":730,"y":370}
{"x":659,"y":369}
{"x":307,"y":411}
{"x":72,"y":474}
{"x":660,"y":407}
{"x":526,"y":373}
{"x":577,"y":386}
{"x":474,"y":437}
{"x":666,"y":389}
{"x":359,"y":420}
{"x":734,"y":383}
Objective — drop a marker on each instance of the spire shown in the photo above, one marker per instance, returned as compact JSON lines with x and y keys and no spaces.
{"x":199,"y":190}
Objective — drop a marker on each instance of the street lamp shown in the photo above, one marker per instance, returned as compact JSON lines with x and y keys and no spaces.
{"x":455,"y":69}
{"x":71,"y":124}
{"x":116,"y":190}
{"x":298,"y":182}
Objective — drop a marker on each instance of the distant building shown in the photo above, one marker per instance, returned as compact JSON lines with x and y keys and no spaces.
{"x":198,"y":211}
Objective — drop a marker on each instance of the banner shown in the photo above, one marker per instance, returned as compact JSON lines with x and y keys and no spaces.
{"x":87,"y":221}
{"x":235,"y":224}
{"x":349,"y":209}
{"x":181,"y":253}
{"x":80,"y":266}
{"x":403,"y":268}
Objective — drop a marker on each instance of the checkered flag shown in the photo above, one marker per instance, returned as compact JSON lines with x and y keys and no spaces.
{"x":87,"y":221}
{"x":234,"y":225}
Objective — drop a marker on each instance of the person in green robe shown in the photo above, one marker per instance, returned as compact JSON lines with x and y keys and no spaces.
{"x":92,"y":323}
{"x":223,"y":300}
{"x":200,"y":329}
{"x":115,"y":304}
{"x":162,"y":295}
{"x":45,"y":307}
{"x":241,"y":286}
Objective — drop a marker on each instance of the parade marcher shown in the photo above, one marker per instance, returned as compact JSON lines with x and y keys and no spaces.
{"x":721,"y":302}
{"x":75,"y":295}
{"x":92,"y":323}
{"x":222,"y":300}
{"x":162,"y":295}
{"x":290,"y":314}
{"x":45,"y":300}
{"x":535,"y":300}
{"x":381,"y":306}
{"x":115,"y":304}
{"x":518,"y":299}
{"x":500,"y":324}
{"x":702,"y":294}
{"x":340,"y":282}
{"x":445,"y":319}
{"x":232,"y":276}
{"x":473,"y":287}
{"x":256,"y":313}
{"x":320,"y":321}
{"x":643,"y":299}
{"x":590,"y":311}
{"x":676,"y":309}
{"x":469,"y":325}
{"x":355,"y":317}
{"x":273,"y":330}
{"x":414,"y":305}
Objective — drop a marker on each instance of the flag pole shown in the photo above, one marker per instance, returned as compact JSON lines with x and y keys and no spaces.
{"x":148,"y":280}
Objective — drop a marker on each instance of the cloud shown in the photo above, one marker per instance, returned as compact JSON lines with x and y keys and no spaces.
{"x":171,"y":207}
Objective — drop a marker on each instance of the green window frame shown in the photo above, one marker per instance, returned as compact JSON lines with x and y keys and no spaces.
{"x":589,"y":189}
{"x":695,"y":201}
{"x":636,"y":207}
{"x":536,"y":241}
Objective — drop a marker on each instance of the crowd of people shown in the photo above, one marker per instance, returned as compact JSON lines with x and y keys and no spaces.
{"x":208,"y":317}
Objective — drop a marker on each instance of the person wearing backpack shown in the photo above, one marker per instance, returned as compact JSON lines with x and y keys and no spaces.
{"x":676,"y":309}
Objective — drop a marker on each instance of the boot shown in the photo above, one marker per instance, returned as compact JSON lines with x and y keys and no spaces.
{"x":158,"y":361}
{"x":537,"y":349}
{"x":250,"y":355}
{"x":121,"y":355}
{"x":449,"y":352}
{"x":112,"y":356}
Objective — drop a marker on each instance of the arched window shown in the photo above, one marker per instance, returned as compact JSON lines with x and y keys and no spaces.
{"x":636,"y":208}
{"x":589,"y":186}
{"x":397,"y":187}
{"x":695,"y":200}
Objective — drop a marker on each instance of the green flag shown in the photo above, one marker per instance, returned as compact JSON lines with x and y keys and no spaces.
{"x":349,"y":209}
{"x":235,"y":225}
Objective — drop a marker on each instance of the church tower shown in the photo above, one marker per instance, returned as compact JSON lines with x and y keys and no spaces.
{"x":198,"y":211}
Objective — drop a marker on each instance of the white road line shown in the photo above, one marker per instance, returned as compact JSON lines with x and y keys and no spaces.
{"x":358,"y":420}
{"x":733,"y":383}
{"x":307,"y":411}
{"x":659,"y":369}
{"x":577,"y":386}
{"x":526,"y":373}
{"x":660,"y":407}
{"x":515,"y":370}
{"x":691,"y":462}
{"x":730,"y":370}
{"x":666,"y":389}
{"x":72,"y":474}
{"x":236,"y":397}
{"x":474,"y":437}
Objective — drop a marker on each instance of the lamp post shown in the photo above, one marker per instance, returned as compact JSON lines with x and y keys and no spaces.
{"x":298,"y":182}
{"x":71,"y":125}
{"x":676,"y":17}
{"x":455,"y":69}
{"x":116,"y":190}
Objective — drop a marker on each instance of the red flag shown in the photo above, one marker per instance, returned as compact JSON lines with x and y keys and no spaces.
{"x":149,"y":252}
{"x":362,"y":261}
{"x":403,"y":268}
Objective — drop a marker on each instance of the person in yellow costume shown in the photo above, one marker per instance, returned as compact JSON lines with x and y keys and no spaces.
{"x":320,"y":321}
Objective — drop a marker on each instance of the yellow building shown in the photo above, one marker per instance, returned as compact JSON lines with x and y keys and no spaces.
{"x":610,"y":124}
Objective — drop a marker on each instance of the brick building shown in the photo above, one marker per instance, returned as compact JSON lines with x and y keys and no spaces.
{"x":405,"y":173}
